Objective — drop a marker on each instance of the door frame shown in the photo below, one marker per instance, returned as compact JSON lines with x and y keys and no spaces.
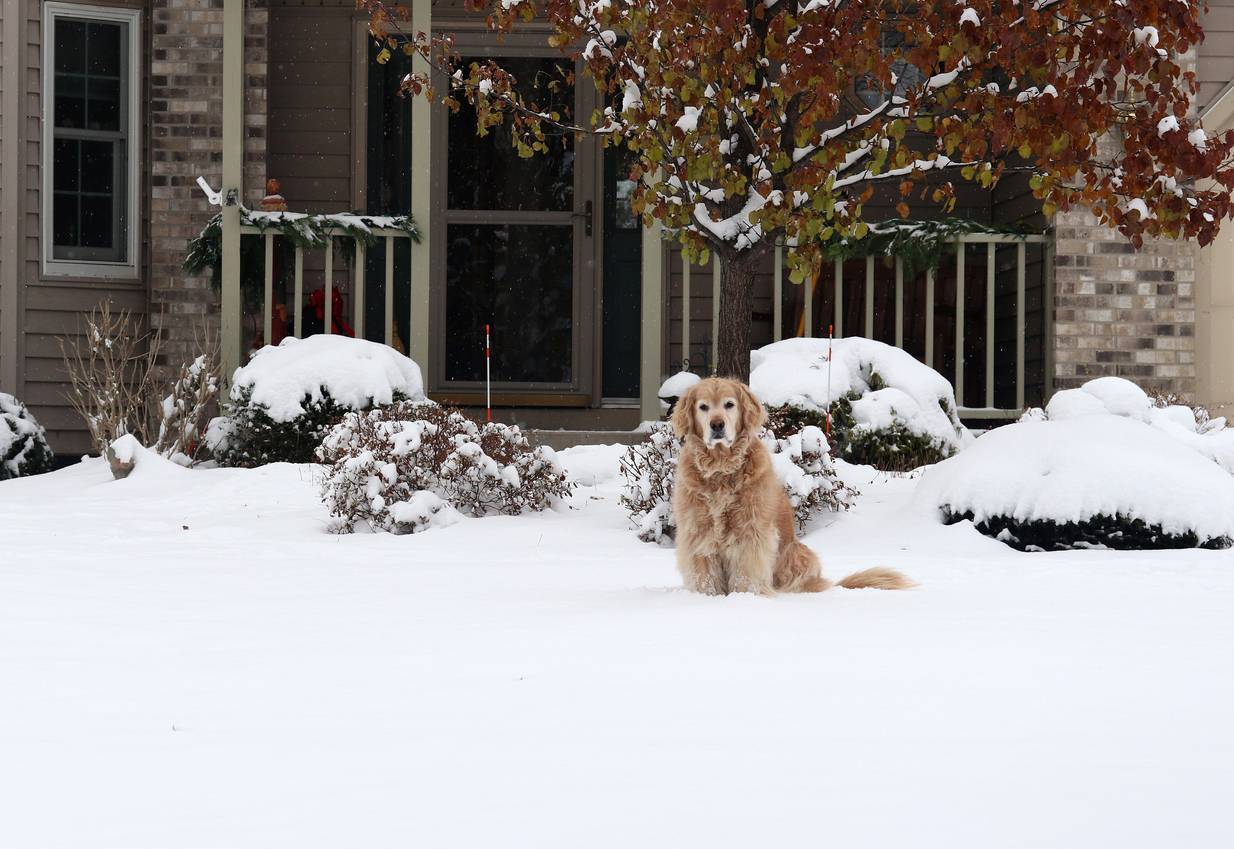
{"x":584,"y":388}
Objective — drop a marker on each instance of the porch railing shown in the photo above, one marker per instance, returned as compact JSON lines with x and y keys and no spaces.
{"x":386,"y":237}
{"x":837,"y":281}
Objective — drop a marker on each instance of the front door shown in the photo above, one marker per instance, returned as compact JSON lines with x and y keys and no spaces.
{"x":519,"y":249}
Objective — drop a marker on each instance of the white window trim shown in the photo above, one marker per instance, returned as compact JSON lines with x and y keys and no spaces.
{"x":53,"y":267}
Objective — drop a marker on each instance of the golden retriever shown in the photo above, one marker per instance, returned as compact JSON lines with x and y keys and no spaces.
{"x":735,"y":525}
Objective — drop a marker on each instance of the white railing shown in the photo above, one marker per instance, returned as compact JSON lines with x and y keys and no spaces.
{"x":991,"y":241}
{"x":358,"y":288}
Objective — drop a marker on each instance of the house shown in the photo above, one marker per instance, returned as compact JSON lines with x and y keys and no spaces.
{"x":112,"y":110}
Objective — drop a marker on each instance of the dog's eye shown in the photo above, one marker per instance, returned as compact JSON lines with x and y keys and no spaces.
{"x":703,"y":407}
{"x":728,"y":405}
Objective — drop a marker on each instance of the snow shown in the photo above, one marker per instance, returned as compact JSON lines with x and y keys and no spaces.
{"x":677,"y":385}
{"x":1168,"y":124}
{"x":794,"y":371}
{"x":970,"y":16}
{"x":1078,"y":468}
{"x":1105,"y":396}
{"x":357,"y":373}
{"x":199,"y":664}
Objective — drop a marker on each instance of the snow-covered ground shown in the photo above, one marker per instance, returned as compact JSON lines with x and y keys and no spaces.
{"x":188,"y":660}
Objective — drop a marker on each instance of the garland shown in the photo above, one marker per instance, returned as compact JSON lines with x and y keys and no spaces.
{"x":205,"y":250}
{"x":918,"y":244}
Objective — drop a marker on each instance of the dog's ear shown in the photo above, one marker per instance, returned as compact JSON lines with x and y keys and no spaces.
{"x":683,"y":412}
{"x":753,"y":414}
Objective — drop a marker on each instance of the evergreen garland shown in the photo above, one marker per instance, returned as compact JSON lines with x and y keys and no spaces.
{"x":918,"y":244}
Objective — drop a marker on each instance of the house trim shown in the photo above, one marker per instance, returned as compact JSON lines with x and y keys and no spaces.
{"x":56,"y":268}
{"x":11,"y":190}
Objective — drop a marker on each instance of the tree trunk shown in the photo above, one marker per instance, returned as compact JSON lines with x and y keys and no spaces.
{"x":737,"y":271}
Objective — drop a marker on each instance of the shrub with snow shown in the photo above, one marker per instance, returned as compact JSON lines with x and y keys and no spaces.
{"x":1082,"y":482}
{"x":802,"y":461}
{"x":23,"y":442}
{"x":888,"y":410}
{"x":285,"y":400}
{"x":1115,"y":396}
{"x":410,"y":466}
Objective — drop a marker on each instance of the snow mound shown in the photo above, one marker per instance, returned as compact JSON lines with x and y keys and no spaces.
{"x":23,"y":441}
{"x":1081,"y":470}
{"x":355,"y":372}
{"x":887,"y":385}
{"x":1119,"y":397}
{"x":677,"y":385}
{"x":424,"y":510}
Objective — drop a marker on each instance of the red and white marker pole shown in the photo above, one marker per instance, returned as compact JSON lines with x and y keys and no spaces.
{"x":831,"y":329}
{"x":488,"y":374}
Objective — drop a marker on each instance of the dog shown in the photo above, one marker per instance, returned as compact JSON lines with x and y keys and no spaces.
{"x":735,"y":525}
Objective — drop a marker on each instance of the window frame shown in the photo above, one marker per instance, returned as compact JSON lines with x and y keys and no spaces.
{"x":53,"y":266}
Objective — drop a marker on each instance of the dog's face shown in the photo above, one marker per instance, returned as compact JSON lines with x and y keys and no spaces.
{"x":718,"y":411}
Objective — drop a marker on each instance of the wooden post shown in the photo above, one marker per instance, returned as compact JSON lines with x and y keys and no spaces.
{"x":418,"y":346}
{"x":651,"y":367}
{"x":233,"y":184}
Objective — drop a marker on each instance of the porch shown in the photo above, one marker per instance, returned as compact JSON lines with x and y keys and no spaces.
{"x":590,"y":310}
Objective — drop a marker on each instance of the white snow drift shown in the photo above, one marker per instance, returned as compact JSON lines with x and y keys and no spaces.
{"x":1114,"y":396}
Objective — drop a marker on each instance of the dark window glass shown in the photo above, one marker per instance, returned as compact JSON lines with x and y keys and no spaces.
{"x":518,"y":278}
{"x":486,"y":172}
{"x":90,"y":140}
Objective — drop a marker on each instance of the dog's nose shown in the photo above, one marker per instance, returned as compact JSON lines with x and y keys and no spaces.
{"x":717,"y":428}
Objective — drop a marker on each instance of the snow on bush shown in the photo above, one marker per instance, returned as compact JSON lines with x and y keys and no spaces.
{"x":410,"y":466}
{"x":23,"y":442}
{"x":288,"y":396}
{"x":1115,"y":396}
{"x":887,"y":409}
{"x":802,"y":461}
{"x":1085,"y":481}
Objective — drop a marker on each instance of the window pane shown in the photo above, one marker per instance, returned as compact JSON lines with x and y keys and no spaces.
{"x":98,"y":166}
{"x":487,"y":172}
{"x":96,"y":221}
{"x":519,"y":279}
{"x":70,"y":45}
{"x":66,"y":166}
{"x":70,"y":102}
{"x":103,"y":49}
{"x":64,"y":219}
{"x":103,"y":112}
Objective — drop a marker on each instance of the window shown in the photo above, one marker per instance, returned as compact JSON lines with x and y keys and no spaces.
{"x":90,"y":137}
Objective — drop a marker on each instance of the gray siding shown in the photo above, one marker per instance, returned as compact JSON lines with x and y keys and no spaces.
{"x":1215,"y":67}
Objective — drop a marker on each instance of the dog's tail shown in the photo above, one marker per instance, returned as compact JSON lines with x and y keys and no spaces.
{"x":878,"y":578}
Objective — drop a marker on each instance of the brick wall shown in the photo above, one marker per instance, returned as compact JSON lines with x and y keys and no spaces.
{"x":1122,"y":312}
{"x":186,"y":132}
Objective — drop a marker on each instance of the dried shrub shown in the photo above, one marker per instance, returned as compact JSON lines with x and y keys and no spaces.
{"x":802,"y":461}
{"x":1204,"y":420}
{"x":399,"y":467}
{"x":23,"y":441}
{"x":115,"y":385}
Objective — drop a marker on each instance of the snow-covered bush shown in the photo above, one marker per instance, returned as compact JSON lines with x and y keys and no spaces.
{"x":23,"y":442}
{"x":409,"y":466}
{"x":1115,"y":396}
{"x":1083,"y":482}
{"x":285,"y":400}
{"x":887,"y":409}
{"x":802,"y":461}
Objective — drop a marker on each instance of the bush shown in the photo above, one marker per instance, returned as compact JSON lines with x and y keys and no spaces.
{"x":249,"y":436}
{"x":801,"y":460}
{"x":887,"y":409}
{"x":409,"y":466}
{"x":23,"y":442}
{"x":1121,"y":532}
{"x":286,"y":399}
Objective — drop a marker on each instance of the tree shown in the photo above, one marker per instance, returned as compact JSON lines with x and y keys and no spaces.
{"x":757,"y":120}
